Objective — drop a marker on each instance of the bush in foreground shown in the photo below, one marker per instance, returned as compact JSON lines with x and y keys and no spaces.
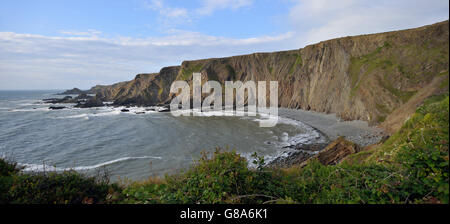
{"x":67,"y":187}
{"x":411,"y":167}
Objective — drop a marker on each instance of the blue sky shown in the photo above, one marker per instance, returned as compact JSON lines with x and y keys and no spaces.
{"x":63,"y":44}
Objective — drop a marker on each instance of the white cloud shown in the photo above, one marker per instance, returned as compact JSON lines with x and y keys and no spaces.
{"x":172,"y":16}
{"x":90,"y":32}
{"x":29,"y":61}
{"x":166,"y":13}
{"x":320,"y":20}
{"x":87,"y":58}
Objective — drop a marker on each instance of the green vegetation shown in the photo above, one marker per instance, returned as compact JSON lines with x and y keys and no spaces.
{"x":67,"y":187}
{"x":298,"y":63}
{"x":387,"y":64}
{"x":444,"y":84}
{"x":412,"y":166}
{"x":404,"y":96}
{"x":160,"y":91}
{"x":416,"y":173}
{"x":187,"y":72}
{"x":231,"y":72}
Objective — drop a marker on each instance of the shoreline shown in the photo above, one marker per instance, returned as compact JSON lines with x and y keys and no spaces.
{"x":328,"y":125}
{"x":332,"y":127}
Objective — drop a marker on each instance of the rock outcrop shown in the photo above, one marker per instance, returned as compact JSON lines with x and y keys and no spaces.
{"x":74,"y":91}
{"x":68,"y":99}
{"x":145,"y":89}
{"x":332,"y":154}
{"x":368,"y":77}
{"x":336,"y":151}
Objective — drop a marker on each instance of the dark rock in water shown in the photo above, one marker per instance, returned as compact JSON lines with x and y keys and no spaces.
{"x":84,"y":96}
{"x":125,"y":110}
{"x":67,"y":99}
{"x":56,"y":108}
{"x":83,"y":100}
{"x":92,"y":102}
{"x":74,"y":91}
{"x":52,"y":100}
{"x":140,"y":113}
{"x":150,"y":109}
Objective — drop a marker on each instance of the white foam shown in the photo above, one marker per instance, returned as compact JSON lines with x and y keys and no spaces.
{"x":284,"y":137}
{"x":308,"y":135}
{"x":76,"y":116}
{"x":87,"y":115}
{"x":43,"y":167}
{"x":30,"y":110}
{"x":109,"y":113}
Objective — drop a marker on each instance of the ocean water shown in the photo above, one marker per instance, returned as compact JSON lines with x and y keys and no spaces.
{"x":129,"y":145}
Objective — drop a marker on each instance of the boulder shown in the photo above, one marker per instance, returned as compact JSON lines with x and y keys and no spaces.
{"x":84,"y":96}
{"x":67,"y":99}
{"x":336,"y":151}
{"x":74,"y":91}
{"x":311,"y":147}
{"x":289,"y":158}
{"x":92,"y":102}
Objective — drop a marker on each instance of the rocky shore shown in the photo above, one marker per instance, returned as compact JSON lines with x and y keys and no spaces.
{"x":344,"y":138}
{"x":338,"y":138}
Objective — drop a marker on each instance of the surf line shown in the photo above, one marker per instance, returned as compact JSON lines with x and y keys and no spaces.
{"x":234,"y":99}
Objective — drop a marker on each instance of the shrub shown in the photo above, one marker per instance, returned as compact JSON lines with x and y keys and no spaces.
{"x":67,"y":187}
{"x":7,"y":170}
{"x":411,"y":167}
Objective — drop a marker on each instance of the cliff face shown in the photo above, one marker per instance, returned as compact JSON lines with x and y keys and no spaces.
{"x":380,"y":78}
{"x":145,"y":89}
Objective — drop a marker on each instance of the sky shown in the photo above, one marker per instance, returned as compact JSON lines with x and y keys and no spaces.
{"x":61,"y":44}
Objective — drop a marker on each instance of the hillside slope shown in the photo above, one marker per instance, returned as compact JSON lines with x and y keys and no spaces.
{"x":380,"y":78}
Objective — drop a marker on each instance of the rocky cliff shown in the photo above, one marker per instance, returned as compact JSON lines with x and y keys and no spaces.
{"x":380,"y":78}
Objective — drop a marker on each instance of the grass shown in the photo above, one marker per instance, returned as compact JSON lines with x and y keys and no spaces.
{"x":403,"y":96}
{"x":387,"y":63}
{"x":187,"y":72}
{"x":416,"y":173}
{"x":298,"y":63}
{"x":67,"y":187}
{"x":412,"y":166}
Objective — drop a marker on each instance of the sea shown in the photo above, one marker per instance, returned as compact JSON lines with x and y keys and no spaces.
{"x":132,"y":145}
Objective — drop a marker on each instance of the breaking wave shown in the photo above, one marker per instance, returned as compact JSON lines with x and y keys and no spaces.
{"x":44,"y":167}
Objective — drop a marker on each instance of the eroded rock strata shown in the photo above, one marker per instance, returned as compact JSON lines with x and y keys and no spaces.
{"x":379,"y":78}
